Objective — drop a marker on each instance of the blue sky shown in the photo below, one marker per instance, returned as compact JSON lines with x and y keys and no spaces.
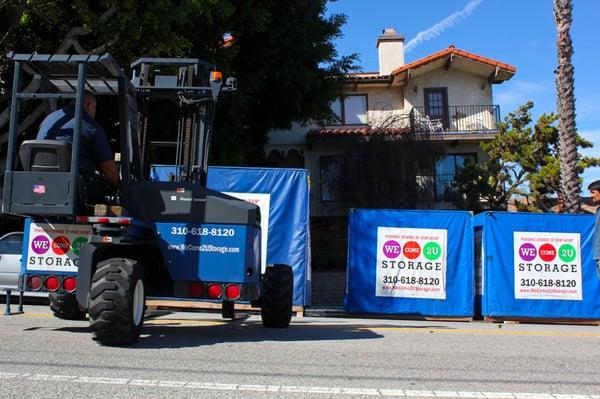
{"x":518,"y":32}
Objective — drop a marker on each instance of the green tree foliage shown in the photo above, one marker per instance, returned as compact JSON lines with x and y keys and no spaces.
{"x":524,"y":163}
{"x":282,"y":54}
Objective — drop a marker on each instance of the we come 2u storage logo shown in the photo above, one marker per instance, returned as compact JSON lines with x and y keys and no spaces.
{"x":547,"y":265}
{"x":55,"y":247}
{"x":411,"y":262}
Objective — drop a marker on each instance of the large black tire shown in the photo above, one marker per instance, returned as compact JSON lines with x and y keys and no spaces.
{"x":276,"y":298}
{"x":116,"y":303}
{"x":65,"y":306}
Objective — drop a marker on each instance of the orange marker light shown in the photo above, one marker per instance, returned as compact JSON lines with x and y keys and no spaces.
{"x":216,"y":76}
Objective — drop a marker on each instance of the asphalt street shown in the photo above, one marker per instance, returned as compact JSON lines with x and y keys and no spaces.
{"x":183,"y":355}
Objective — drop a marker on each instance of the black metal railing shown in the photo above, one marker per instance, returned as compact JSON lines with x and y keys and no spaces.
{"x":438,"y":187}
{"x":455,"y":118}
{"x":444,"y":189}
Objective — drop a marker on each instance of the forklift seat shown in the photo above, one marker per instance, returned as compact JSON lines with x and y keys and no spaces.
{"x":45,"y":156}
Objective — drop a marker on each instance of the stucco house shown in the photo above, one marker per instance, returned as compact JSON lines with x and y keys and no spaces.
{"x":447,"y":94}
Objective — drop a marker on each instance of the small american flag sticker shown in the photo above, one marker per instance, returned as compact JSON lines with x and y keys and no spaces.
{"x":39,"y":189}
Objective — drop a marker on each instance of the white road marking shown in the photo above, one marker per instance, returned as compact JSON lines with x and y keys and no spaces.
{"x":212,"y":386}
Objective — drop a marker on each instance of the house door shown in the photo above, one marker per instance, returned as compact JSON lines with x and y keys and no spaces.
{"x":436,"y":104}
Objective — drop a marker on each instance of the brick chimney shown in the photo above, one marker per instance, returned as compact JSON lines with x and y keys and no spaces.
{"x":390,"y":47}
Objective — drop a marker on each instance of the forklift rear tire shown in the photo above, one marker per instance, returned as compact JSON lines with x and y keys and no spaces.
{"x":117,"y":301}
{"x":65,"y":306}
{"x":276,"y":300}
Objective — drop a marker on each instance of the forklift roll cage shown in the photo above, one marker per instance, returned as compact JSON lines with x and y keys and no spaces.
{"x":63,"y":76}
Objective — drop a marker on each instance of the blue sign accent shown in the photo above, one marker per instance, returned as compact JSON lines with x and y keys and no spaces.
{"x":209,"y":252}
{"x":362,"y":262}
{"x":498,"y":297}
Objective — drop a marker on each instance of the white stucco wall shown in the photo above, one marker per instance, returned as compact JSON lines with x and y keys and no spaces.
{"x":463,"y":88}
{"x":295,"y":135}
{"x":466,"y":91}
{"x":382,"y":102}
{"x":390,"y":55}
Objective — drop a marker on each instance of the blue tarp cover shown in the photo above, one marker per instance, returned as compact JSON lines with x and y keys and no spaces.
{"x":286,"y":192}
{"x":410,"y":262}
{"x":538,"y":265}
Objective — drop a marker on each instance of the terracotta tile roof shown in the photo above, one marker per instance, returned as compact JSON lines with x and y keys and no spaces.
{"x":453,"y":50}
{"x":365,"y":75}
{"x":368,"y":77}
{"x":356,"y":131}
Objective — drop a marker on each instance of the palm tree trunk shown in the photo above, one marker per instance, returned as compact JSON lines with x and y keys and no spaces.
{"x":565,"y":85}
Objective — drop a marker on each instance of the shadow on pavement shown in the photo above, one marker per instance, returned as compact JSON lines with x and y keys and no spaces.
{"x":182,"y":333}
{"x":173,"y":332}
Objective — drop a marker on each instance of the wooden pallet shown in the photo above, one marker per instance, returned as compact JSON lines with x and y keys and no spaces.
{"x":105,"y":210}
{"x":447,"y":318}
{"x":540,"y":320}
{"x":401,"y":316}
{"x":159,"y":304}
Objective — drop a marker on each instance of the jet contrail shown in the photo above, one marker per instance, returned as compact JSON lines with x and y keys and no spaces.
{"x":441,"y":26}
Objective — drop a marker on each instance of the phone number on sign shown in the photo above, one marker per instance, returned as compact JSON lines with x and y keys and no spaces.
{"x":530,"y":282}
{"x":202,"y":231}
{"x":411,"y":280}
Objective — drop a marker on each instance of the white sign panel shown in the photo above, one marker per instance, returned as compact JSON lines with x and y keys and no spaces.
{"x":264,"y":203}
{"x":55,"y":247}
{"x":547,"y":265}
{"x":411,"y":263}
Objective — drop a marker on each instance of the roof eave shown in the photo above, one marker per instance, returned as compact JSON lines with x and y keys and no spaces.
{"x":405,"y":71}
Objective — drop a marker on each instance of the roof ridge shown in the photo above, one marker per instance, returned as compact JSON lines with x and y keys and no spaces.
{"x":454,"y":50}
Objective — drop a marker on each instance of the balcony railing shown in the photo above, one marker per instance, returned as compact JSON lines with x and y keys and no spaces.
{"x":455,"y":118}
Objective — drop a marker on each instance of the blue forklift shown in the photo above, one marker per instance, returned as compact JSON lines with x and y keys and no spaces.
{"x":173,"y":239}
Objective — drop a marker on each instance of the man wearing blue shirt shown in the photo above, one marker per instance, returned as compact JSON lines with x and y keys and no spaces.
{"x":94,"y":150}
{"x":594,"y":188}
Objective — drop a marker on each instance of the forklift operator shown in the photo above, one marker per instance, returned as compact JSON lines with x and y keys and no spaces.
{"x":94,"y":150}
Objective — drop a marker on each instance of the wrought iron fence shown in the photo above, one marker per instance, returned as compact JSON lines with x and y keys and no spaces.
{"x":438,"y":187}
{"x":444,"y":190}
{"x":455,"y":118}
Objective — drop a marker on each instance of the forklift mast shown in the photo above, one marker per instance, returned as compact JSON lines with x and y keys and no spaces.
{"x":195,"y":86}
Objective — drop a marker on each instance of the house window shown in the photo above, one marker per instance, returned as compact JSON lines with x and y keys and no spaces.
{"x":351,"y":110}
{"x":436,"y":104}
{"x":445,"y":171}
{"x":332,"y":179}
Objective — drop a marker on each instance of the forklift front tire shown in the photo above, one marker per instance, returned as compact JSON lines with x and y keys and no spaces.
{"x":117,"y":301}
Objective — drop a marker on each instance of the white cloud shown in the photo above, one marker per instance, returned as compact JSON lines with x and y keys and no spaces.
{"x":441,"y":26}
